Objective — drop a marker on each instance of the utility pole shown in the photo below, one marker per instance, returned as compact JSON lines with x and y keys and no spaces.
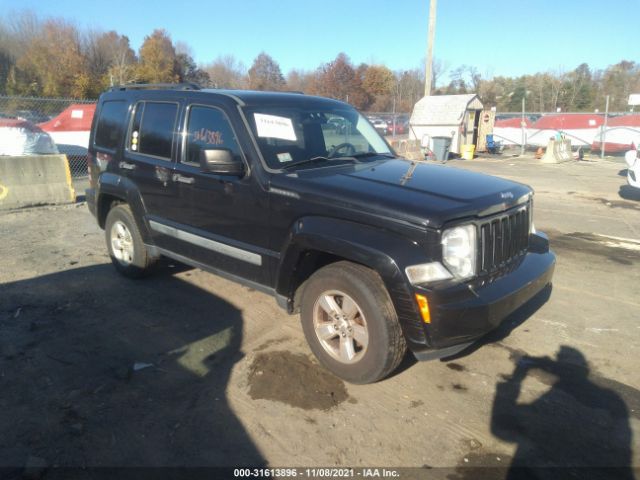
{"x":523,"y":125}
{"x":431,"y":36}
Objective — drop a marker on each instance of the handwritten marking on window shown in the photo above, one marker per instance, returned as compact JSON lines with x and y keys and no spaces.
{"x":210,"y":137}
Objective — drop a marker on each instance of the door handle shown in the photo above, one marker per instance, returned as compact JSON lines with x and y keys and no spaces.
{"x":179,"y":178}
{"x":127,"y":165}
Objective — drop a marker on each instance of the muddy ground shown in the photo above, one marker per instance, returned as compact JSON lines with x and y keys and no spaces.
{"x":187,"y":369}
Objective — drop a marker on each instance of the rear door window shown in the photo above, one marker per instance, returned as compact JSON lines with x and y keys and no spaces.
{"x":152,"y":129}
{"x":110,"y":127}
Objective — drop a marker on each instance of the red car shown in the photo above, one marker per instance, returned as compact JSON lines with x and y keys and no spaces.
{"x":402,"y":126}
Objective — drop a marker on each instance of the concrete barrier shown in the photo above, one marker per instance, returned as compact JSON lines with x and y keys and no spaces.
{"x":35,"y":180}
{"x":409,"y":149}
{"x":558,"y":151}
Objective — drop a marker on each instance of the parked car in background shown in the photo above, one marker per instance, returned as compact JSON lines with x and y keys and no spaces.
{"x":380,"y":126}
{"x":401,"y":127}
{"x":21,"y":137}
{"x":33,"y":117}
{"x":632,"y":157}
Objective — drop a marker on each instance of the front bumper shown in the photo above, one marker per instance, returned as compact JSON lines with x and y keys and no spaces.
{"x":463,"y":313}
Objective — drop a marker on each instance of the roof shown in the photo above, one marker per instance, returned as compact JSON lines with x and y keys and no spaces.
{"x":565,"y":121}
{"x":514,"y":122}
{"x":259,"y":97}
{"x":624,"y":121}
{"x":443,"y":109}
{"x":241,"y":97}
{"x":75,"y":118}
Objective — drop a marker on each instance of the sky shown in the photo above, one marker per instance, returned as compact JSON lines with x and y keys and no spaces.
{"x":498,"y":37}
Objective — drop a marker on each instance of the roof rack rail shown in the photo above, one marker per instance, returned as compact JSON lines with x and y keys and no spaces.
{"x":151,"y":86}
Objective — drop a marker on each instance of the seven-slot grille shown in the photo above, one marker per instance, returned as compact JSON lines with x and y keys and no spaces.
{"x":503,"y":239}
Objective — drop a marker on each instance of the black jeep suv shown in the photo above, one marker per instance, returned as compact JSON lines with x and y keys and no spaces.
{"x":377,"y":253}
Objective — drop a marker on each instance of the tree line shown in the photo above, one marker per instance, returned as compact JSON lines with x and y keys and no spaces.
{"x":52,"y":57}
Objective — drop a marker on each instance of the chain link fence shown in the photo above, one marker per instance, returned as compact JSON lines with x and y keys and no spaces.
{"x":600,"y":133}
{"x":35,"y":126}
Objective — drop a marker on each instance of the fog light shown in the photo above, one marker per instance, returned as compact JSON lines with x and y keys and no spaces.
{"x":423,"y":305}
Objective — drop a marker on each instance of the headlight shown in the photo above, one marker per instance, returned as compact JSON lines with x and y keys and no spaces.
{"x":459,"y":251}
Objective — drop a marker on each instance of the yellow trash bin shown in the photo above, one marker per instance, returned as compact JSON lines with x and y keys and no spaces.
{"x":467,"y":150}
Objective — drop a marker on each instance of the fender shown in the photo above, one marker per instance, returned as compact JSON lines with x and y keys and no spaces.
{"x":123,"y":188}
{"x":383,"y":251}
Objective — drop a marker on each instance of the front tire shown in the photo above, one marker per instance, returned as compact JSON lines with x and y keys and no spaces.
{"x":350,"y":323}
{"x":124,"y":242}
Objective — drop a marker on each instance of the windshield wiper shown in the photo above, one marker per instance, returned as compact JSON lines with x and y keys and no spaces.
{"x":372,"y":154}
{"x":316,"y":159}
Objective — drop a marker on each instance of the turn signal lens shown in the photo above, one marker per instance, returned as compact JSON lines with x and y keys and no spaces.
{"x":423,"y":305}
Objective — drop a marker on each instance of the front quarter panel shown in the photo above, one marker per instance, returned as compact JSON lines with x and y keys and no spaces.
{"x":383,"y":251}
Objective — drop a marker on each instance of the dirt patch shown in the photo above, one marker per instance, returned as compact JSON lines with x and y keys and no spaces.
{"x":416,"y":403}
{"x":614,"y":203}
{"x":586,"y":243}
{"x":459,"y":387}
{"x":295,"y":380}
{"x":270,"y":343}
{"x":456,"y":367}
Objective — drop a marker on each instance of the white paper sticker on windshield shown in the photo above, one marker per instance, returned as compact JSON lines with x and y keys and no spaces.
{"x":271,"y":126}
{"x":284,"y":157}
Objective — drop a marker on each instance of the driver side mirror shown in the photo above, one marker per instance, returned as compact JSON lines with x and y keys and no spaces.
{"x":221,"y":162}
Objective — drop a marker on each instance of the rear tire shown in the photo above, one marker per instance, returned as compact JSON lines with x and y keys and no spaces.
{"x":124,"y":242}
{"x":350,"y":323}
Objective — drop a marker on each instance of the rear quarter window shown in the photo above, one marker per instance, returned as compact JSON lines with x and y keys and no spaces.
{"x":110,"y":126}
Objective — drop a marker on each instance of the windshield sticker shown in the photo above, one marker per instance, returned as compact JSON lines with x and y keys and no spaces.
{"x":271,"y":126}
{"x":284,"y":157}
{"x":210,"y":137}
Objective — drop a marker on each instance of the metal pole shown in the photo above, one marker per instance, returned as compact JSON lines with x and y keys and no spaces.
{"x":393,"y":132}
{"x":603,"y":137}
{"x":431,"y":36}
{"x":522,"y":124}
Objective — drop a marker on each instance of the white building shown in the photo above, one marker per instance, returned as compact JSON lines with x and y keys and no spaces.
{"x":453,"y":116}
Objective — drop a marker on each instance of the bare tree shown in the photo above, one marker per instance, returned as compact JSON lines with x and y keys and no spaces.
{"x":227,"y":72}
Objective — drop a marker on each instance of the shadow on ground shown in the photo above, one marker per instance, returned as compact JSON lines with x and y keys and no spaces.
{"x":98,"y":370}
{"x":629,"y":193}
{"x":577,"y":428}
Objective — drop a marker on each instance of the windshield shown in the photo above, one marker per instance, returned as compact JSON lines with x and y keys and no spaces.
{"x":289,"y":135}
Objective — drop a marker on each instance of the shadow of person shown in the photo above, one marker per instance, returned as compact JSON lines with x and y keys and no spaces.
{"x":101,"y":371}
{"x":576,"y":429}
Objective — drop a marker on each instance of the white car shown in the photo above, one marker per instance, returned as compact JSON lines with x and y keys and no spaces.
{"x":380,"y":126}
{"x":21,"y":137}
{"x":633,"y":171}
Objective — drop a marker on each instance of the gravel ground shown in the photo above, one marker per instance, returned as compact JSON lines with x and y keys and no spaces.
{"x":187,"y":369}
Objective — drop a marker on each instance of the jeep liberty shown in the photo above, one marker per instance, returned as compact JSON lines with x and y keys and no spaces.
{"x":299,"y":196}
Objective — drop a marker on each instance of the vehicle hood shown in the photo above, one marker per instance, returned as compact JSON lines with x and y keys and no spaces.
{"x":414,"y":192}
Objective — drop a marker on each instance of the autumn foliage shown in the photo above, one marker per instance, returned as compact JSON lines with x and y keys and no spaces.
{"x":54,"y":58}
